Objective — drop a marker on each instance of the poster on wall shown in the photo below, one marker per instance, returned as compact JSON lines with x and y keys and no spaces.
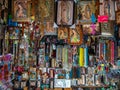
{"x":75,"y":36}
{"x":85,"y":10}
{"x":118,"y":17}
{"x":107,"y":28}
{"x":91,"y":29}
{"x":107,"y":7}
{"x":65,"y":12}
{"x":117,"y":5}
{"x":49,"y":29}
{"x":46,"y":10}
{"x":21,"y":10}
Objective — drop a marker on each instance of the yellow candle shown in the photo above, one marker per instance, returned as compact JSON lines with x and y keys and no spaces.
{"x":81,"y":57}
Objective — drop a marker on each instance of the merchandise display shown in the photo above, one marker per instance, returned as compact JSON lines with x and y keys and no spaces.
{"x":59,"y":44}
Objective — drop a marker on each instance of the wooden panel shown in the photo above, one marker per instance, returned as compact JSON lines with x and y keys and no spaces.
{"x":25,"y":88}
{"x":67,"y":88}
{"x":58,"y":89}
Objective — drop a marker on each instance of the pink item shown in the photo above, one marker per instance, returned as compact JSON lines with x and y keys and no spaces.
{"x":103,"y":18}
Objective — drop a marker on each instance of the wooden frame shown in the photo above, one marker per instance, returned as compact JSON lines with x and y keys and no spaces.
{"x":118,"y":17}
{"x":65,"y":12}
{"x":21,"y":10}
{"x":91,"y":29}
{"x":62,"y":33}
{"x":75,"y":36}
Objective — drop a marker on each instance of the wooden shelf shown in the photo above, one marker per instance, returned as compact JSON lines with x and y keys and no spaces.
{"x":82,"y":86}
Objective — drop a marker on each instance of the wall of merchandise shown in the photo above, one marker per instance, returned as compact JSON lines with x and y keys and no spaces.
{"x":59,"y":44}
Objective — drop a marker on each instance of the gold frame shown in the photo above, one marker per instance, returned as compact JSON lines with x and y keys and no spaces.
{"x":62,"y":33}
{"x":79,"y":31}
{"x":23,"y":15}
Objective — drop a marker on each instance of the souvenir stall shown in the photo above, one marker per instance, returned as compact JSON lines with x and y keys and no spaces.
{"x":59,"y":44}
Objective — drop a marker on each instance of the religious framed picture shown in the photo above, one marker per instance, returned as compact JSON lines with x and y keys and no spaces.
{"x":16,"y":84}
{"x":85,"y":10}
{"x":117,"y":5}
{"x":32,"y":83}
{"x":21,"y":10}
{"x":62,"y":33}
{"x":32,"y":73}
{"x":49,"y":29}
{"x":46,"y":10}
{"x":91,"y":29}
{"x":51,"y":73}
{"x":118,"y":17}
{"x":23,"y":84}
{"x":107,"y":28}
{"x":65,"y":12}
{"x":75,"y":36}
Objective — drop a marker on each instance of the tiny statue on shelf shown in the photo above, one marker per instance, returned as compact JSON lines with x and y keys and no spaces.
{"x":45,"y":77}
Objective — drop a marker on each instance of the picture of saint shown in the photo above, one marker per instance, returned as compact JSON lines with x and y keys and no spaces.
{"x":65,"y":13}
{"x":63,"y":33}
{"x":85,"y":10}
{"x":20,"y":9}
{"x":74,"y":36}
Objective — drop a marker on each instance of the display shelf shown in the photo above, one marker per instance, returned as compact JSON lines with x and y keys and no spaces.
{"x":82,"y":86}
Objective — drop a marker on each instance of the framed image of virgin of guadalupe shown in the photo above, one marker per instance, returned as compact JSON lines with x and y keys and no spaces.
{"x":21,"y":10}
{"x":65,"y":12}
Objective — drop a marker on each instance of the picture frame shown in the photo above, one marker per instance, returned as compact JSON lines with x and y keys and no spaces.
{"x":85,"y":9}
{"x":65,"y":12}
{"x":23,"y":84}
{"x":81,"y":81}
{"x":75,"y":36}
{"x":91,"y":29}
{"x":32,"y":83}
{"x":118,"y":17}
{"x":38,"y":83}
{"x":107,"y":7}
{"x":107,"y":28}
{"x":51,"y":73}
{"x":46,"y":10}
{"x":25,"y":76}
{"x":104,"y":9}
{"x":62,"y":33}
{"x":50,"y":30}
{"x":117,"y":5}
{"x":16,"y":84}
{"x":32,"y":73}
{"x":21,"y":10}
